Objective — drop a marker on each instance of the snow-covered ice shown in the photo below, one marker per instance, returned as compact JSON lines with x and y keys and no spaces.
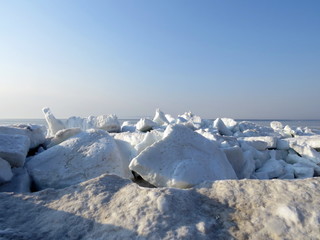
{"x":109,"y":207}
{"x":5,"y":171}
{"x":182,"y":159}
{"x":145,"y":124}
{"x":81,"y":157}
{"x":78,"y":202}
{"x":35,"y":133}
{"x":14,"y":148}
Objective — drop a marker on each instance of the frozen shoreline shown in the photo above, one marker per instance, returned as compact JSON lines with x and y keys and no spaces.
{"x":83,"y":173}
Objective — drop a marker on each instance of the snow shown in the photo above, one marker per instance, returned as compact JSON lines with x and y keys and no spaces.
{"x":128,"y":126}
{"x":182,"y":159}
{"x":63,"y":135}
{"x":20,"y":183}
{"x":35,"y":133}
{"x":5,"y":171}
{"x":81,"y":157}
{"x":149,"y":139}
{"x":185,"y":163}
{"x":230,"y":123}
{"x":236,"y":159}
{"x":108,"y":123}
{"x":54,"y":124}
{"x":108,"y":207}
{"x":267,"y":142}
{"x":14,"y":148}
{"x":312,"y":141}
{"x":222,"y":129}
{"x":145,"y":125}
{"x":160,"y":118}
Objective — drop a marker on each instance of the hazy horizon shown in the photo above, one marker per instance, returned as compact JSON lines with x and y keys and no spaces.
{"x":239,"y":59}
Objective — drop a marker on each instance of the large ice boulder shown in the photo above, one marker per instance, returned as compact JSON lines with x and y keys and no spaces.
{"x":160,"y":118}
{"x":128,"y":126}
{"x":20,"y":183}
{"x":312,"y":141}
{"x":109,"y":123}
{"x":222,"y":129}
{"x":36,"y":133}
{"x":5,"y":171}
{"x":54,"y":124}
{"x":182,"y":159}
{"x":149,"y":139}
{"x":14,"y":148}
{"x":260,"y":143}
{"x":63,"y":135}
{"x":81,"y":157}
{"x":242,"y":164}
{"x":145,"y":124}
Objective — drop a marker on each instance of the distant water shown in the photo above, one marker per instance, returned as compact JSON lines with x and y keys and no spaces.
{"x":313,"y":124}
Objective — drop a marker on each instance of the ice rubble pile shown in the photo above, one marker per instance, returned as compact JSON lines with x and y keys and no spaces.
{"x":163,"y":151}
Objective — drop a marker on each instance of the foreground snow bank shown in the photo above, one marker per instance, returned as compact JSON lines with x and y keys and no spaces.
{"x":109,"y":207}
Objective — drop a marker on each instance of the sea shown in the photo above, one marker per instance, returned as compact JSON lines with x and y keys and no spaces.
{"x":310,"y":123}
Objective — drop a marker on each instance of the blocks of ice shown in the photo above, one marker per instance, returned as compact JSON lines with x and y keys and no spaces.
{"x":20,"y":183}
{"x":312,"y":141}
{"x":145,"y":125}
{"x":128,"y":126}
{"x":108,"y":123}
{"x":14,"y":148}
{"x":230,"y":123}
{"x":54,"y":124}
{"x":182,"y":159}
{"x":63,"y":135}
{"x":160,"y":118}
{"x":149,"y":139}
{"x":273,"y":167}
{"x":36,"y":133}
{"x":307,"y":152}
{"x":5,"y":171}
{"x":238,"y":162}
{"x":261,"y":142}
{"x":222,"y":129}
{"x":82,"y":157}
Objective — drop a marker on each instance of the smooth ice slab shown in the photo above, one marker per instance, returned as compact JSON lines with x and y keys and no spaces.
{"x":182,"y":159}
{"x":5,"y":171}
{"x":36,"y":133}
{"x":14,"y":148}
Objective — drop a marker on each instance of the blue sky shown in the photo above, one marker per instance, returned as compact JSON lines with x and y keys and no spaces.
{"x":239,"y":59}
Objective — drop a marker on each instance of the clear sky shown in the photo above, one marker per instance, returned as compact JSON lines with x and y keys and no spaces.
{"x":217,"y":58}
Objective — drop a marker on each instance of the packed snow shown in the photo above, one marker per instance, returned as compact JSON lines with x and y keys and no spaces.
{"x":199,"y":178}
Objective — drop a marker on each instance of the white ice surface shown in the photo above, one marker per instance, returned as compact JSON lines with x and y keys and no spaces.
{"x":81,"y":157}
{"x":20,"y":183}
{"x":35,"y":133}
{"x":63,"y":135}
{"x":182,"y":159}
{"x":109,"y":207}
{"x":160,"y":118}
{"x":145,"y":125}
{"x":222,"y":129}
{"x":5,"y":171}
{"x":14,"y":148}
